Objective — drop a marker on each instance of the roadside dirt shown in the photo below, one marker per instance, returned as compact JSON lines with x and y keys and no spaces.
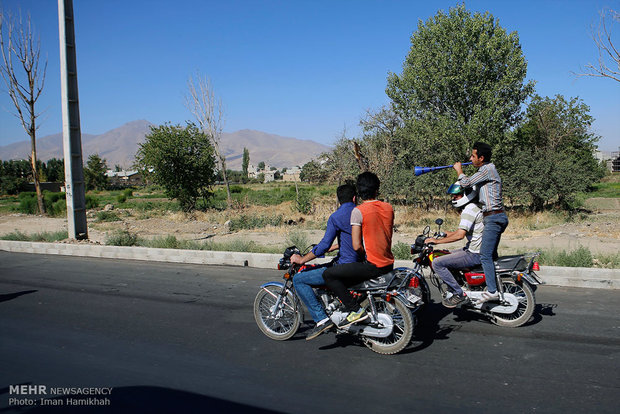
{"x":600,"y":231}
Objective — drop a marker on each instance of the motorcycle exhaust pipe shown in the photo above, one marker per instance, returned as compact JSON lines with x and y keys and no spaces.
{"x":423,"y":170}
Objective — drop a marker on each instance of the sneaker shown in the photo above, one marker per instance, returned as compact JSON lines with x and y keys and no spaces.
{"x":353,"y":317}
{"x":454,"y":301}
{"x":319,"y":329}
{"x":488,"y":296}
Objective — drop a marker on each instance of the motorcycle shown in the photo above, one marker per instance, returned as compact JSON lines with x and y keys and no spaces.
{"x":516,"y":281}
{"x":390,"y":300}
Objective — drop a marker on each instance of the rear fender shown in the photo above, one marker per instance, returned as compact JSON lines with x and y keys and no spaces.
{"x":531,"y":278}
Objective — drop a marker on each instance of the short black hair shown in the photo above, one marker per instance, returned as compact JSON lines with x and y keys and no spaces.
{"x":483,"y":150}
{"x":345,"y":193}
{"x":368,"y":185}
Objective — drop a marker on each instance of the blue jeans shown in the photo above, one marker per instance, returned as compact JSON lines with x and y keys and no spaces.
{"x":303,"y":283}
{"x":494,"y":226}
{"x":457,"y":259}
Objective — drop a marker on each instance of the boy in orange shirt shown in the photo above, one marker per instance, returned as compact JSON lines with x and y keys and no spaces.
{"x":372,"y":227}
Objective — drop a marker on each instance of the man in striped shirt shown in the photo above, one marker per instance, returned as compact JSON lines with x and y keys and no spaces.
{"x":495,"y":220}
{"x":470,"y":227}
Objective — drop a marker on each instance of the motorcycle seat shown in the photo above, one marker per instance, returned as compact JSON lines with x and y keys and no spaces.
{"x":503,"y":264}
{"x":376,"y":283}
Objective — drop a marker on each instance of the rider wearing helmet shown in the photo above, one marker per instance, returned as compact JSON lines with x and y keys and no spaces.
{"x":470,"y":227}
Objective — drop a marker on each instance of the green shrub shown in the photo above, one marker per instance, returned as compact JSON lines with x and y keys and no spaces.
{"x":107,"y":216}
{"x":611,"y":261}
{"x":91,"y":202}
{"x":168,"y":242}
{"x":36,"y":237}
{"x":55,"y":203}
{"x":581,"y":257}
{"x":15,"y":236}
{"x":28,"y":204}
{"x":239,"y":245}
{"x":127,"y":192}
{"x":401,"y":251}
{"x":26,"y":194}
{"x":303,"y":204}
{"x":297,"y":238}
{"x":121,"y":198}
{"x":58,"y":208}
{"x":122,"y":238}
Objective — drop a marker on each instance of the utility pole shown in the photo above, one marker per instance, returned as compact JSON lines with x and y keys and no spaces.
{"x":71,"y":133}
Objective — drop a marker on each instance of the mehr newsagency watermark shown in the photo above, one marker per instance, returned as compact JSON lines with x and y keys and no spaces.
{"x":42,"y":395}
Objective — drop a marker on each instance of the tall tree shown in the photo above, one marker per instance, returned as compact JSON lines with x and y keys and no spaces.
{"x":209,"y":113}
{"x":94,"y":173}
{"x":462,"y":81}
{"x":246,"y":162}
{"x":24,"y":80}
{"x":182,"y":162}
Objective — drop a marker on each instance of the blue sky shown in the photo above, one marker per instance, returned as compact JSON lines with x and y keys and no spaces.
{"x":303,"y":69}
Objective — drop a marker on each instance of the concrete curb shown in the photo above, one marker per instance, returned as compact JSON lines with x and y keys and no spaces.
{"x":551,"y":275}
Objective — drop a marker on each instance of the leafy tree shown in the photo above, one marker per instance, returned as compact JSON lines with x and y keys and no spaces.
{"x":183,"y":162}
{"x":549,"y":158}
{"x":14,"y":176}
{"x":94,"y":173}
{"x":246,"y":161}
{"x":462,"y":81}
{"x":312,"y":171}
{"x":55,"y":170}
{"x":261,"y":165}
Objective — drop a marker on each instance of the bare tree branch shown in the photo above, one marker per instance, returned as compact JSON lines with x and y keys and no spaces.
{"x":608,"y":56}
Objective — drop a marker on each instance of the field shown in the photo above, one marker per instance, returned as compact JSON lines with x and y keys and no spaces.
{"x":268,"y":217}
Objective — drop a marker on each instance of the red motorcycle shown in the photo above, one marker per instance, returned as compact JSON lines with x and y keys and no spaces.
{"x":516,"y":282}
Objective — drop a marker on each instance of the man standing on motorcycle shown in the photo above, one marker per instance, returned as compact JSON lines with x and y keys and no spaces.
{"x":372,"y":227}
{"x":495,"y":220}
{"x":470,"y":226}
{"x":338,"y":227}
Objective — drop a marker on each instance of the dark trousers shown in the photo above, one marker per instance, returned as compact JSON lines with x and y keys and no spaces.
{"x":339,"y":278}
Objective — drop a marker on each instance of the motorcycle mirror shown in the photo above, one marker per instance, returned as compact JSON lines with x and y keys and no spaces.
{"x":439,"y":222}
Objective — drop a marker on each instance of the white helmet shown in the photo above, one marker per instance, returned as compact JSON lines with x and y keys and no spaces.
{"x":469,"y":194}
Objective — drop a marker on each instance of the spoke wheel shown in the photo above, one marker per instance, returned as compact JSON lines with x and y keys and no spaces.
{"x":401,"y":333}
{"x":277,"y":316}
{"x":524,"y":294}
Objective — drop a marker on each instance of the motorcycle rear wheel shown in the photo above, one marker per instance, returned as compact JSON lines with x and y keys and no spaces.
{"x":527,"y":302}
{"x":284,"y":322}
{"x":401,"y":333}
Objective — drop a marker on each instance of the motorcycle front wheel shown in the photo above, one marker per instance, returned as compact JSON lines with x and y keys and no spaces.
{"x":401,"y":333}
{"x":527,"y":302}
{"x":277,"y":316}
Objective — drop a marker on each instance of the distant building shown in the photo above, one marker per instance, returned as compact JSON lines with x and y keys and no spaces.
{"x":615,"y":161}
{"x":608,"y":158}
{"x":254,"y":172}
{"x":291,"y":174}
{"x":124,"y":178}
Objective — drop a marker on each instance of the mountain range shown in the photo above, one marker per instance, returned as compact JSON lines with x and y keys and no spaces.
{"x":119,"y":145}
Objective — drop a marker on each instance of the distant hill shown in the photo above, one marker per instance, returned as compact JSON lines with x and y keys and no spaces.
{"x":119,"y":146}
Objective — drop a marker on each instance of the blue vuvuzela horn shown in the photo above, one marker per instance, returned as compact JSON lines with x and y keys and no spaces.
{"x":423,"y":170}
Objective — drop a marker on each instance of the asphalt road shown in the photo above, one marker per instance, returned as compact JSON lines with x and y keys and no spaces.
{"x":182,"y":338}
